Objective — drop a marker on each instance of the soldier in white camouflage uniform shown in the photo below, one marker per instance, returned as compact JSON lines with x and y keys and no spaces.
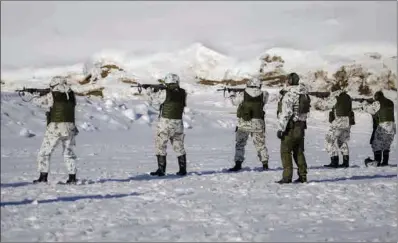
{"x":172,"y":101}
{"x":383,"y":111}
{"x":341,"y":118}
{"x":292,"y":122}
{"x":60,"y":128}
{"x":251,"y":113}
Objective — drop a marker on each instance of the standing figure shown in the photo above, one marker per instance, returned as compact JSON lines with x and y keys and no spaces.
{"x":60,"y":128}
{"x":341,"y":118}
{"x":292,"y":122}
{"x":384,"y":128}
{"x":251,"y":113}
{"x":172,"y":101}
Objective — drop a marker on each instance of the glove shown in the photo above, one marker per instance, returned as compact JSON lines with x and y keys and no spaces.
{"x":280,"y":134}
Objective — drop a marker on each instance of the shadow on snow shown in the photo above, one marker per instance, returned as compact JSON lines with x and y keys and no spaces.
{"x":68,"y":199}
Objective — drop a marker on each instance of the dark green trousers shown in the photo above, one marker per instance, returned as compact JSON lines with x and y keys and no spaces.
{"x":293,"y":144}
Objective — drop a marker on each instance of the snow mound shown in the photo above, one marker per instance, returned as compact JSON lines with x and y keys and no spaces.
{"x":26,"y":133}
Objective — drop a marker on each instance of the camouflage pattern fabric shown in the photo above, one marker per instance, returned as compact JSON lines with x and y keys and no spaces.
{"x":167,"y":129}
{"x":258,"y":141}
{"x":254,"y":125}
{"x":65,"y":133}
{"x":290,"y":103}
{"x":385,"y":131}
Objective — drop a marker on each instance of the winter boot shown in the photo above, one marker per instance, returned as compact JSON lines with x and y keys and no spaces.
{"x":72,"y":179}
{"x":377,"y":155}
{"x":182,"y":163}
{"x":284,"y":181}
{"x":161,"y":171}
{"x":386,"y":156}
{"x":265,"y":165}
{"x":346,"y":162}
{"x":334,"y":162}
{"x":301,"y":179}
{"x":42,"y":177}
{"x":237,"y":167}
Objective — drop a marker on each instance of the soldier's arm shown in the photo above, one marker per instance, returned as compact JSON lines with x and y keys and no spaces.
{"x":287,"y":112}
{"x":155,"y":99}
{"x":236,"y":98}
{"x":372,"y":108}
{"x":45,"y":101}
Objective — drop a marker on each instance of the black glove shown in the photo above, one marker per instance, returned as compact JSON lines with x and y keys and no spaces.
{"x":280,"y":134}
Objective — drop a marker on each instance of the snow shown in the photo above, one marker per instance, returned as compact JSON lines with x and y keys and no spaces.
{"x":118,"y":201}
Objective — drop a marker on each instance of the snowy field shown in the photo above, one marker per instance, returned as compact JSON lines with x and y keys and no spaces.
{"x":119,"y":201}
{"x":116,"y":199}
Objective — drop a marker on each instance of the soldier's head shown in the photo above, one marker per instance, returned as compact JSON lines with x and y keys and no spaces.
{"x":58,"y":81}
{"x":335,"y":87}
{"x":172,"y":80}
{"x":254,"y":83}
{"x":293,"y":79}
{"x":378,"y":95}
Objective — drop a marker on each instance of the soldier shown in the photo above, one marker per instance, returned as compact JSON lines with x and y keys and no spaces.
{"x":382,"y":111}
{"x":251,"y":112}
{"x":172,"y":101}
{"x":60,"y":128}
{"x":292,"y":122}
{"x":341,"y":118}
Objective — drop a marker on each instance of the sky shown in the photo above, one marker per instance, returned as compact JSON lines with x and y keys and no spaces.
{"x":69,"y":32}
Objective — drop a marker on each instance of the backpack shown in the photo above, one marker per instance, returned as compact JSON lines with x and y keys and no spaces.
{"x":304,"y":104}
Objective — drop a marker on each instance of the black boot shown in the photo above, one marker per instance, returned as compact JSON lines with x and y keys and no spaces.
{"x":72,"y":179}
{"x":346,"y":161}
{"x":42,"y":177}
{"x":386,"y":156}
{"x":377,"y":155}
{"x":284,"y":181}
{"x":265,"y":165}
{"x":182,"y":163}
{"x":334,"y":162}
{"x":301,"y":179}
{"x":237,"y":167}
{"x":161,"y":171}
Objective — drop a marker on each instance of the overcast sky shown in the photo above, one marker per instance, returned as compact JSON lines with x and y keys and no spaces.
{"x":67,"y":32}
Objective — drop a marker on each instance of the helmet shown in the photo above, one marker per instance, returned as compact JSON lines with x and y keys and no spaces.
{"x":293,"y":79}
{"x":254,"y":83}
{"x":378,"y":95}
{"x":57,"y":80}
{"x":172,"y":78}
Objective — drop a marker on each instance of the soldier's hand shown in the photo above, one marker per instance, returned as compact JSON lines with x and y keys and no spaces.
{"x":279,"y":134}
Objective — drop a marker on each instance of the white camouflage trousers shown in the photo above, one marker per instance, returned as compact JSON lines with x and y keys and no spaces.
{"x":383,"y":138}
{"x":258,"y":141}
{"x":65,"y":133}
{"x":338,"y":136}
{"x":170,"y":130}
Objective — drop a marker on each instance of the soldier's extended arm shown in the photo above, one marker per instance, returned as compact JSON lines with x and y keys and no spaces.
{"x":372,"y":108}
{"x":45,"y":101}
{"x":287,"y":112}
{"x":155,"y":99}
{"x":236,"y":98}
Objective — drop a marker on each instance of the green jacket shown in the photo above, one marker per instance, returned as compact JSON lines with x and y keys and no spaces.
{"x":63,"y":109}
{"x":173,"y":107}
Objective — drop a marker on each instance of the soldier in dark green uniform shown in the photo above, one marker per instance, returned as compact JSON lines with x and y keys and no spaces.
{"x":384,"y":122}
{"x":172,"y":101}
{"x":292,"y":122}
{"x":60,"y":128}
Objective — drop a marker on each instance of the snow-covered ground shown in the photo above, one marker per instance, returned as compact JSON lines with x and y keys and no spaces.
{"x":119,"y":201}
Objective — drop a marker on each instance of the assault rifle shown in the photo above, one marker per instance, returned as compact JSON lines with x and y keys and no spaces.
{"x":361,"y":100}
{"x":155,"y":87}
{"x":231,"y":90}
{"x":316,"y":94}
{"x":35,"y":92}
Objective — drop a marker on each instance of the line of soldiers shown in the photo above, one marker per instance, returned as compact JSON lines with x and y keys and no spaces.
{"x":293,"y":108}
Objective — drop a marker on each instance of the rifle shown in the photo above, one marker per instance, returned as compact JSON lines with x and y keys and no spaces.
{"x":155,"y":87}
{"x":361,"y":100}
{"x":231,"y":90}
{"x":321,"y":95}
{"x":39,"y":92}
